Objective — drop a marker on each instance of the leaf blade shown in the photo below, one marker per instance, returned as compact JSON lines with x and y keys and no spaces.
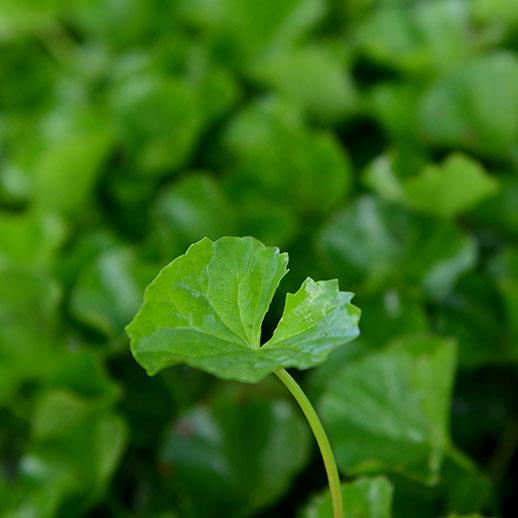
{"x":205,"y":309}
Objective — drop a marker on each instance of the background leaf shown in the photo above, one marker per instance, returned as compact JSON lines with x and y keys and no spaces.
{"x":366,"y":497}
{"x":389,"y":411}
{"x":235,"y":456}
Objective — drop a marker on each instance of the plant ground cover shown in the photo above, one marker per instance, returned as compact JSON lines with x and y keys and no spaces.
{"x":374,"y":142}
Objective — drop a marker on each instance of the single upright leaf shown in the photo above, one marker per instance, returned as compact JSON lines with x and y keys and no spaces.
{"x":205,"y":309}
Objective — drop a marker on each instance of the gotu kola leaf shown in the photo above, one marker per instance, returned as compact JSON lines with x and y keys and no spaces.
{"x":205,"y":309}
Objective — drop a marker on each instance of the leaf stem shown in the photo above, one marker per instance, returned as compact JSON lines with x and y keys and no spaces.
{"x":321,"y":438}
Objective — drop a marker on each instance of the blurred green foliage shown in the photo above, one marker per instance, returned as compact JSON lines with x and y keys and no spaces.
{"x":376,"y":142}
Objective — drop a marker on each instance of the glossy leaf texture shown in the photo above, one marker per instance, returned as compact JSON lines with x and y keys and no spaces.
{"x":206,"y":308}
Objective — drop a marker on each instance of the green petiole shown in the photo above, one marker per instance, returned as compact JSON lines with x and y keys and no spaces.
{"x":321,"y":438}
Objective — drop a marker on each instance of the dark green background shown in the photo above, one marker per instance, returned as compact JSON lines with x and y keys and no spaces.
{"x":375,"y":141}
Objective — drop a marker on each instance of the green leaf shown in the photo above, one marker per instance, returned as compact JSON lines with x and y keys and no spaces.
{"x":478,"y":103}
{"x":448,"y":190}
{"x":30,"y":498}
{"x":473,"y":316}
{"x":100,"y":19}
{"x":385,"y":317}
{"x":26,"y":344}
{"x":192,"y":208}
{"x":505,"y":271}
{"x":363,"y":498}
{"x":316,"y":318}
{"x":389,"y":410}
{"x":466,"y":487}
{"x":76,"y":142}
{"x":109,"y":290}
{"x":205,"y":309}
{"x":32,"y":74}
{"x":463,"y":489}
{"x":234,"y":456}
{"x":269,"y":221}
{"x":421,"y":37}
{"x":242,"y":32}
{"x":159,"y":119}
{"x":498,"y":212}
{"x":377,"y":245}
{"x":394,"y":105}
{"x":315,"y":78}
{"x":383,"y":176}
{"x":30,"y":240}
{"x":499,"y":17}
{"x":276,"y":156}
{"x":83,"y":373}
{"x":76,"y":443}
{"x":19,"y":18}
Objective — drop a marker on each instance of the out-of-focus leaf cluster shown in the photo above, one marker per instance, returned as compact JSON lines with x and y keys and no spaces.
{"x":376,"y":142}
